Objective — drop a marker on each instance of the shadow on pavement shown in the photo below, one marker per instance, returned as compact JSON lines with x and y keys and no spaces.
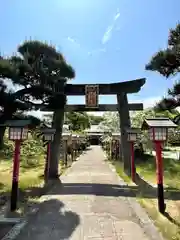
{"x":51,"y":220}
{"x":108,"y":190}
{"x":26,"y":199}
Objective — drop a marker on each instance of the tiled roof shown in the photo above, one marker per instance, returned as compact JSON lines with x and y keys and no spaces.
{"x":158,"y":122}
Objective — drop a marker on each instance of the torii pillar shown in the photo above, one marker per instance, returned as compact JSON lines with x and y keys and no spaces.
{"x":123,"y":109}
{"x":125,"y":122}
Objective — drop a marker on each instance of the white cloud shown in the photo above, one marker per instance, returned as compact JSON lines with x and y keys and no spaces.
{"x":116,"y":16}
{"x":72,"y":40}
{"x":108,"y":33}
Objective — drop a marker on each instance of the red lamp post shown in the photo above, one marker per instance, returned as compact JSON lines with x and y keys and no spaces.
{"x":158,"y":133}
{"x":18,"y":132}
{"x":48,"y":135}
{"x":132,"y":137}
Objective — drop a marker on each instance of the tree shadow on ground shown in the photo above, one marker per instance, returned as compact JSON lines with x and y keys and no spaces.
{"x":113,"y":190}
{"x":27,"y":199}
{"x":50,"y":221}
{"x":143,"y":189}
{"x":169,"y":192}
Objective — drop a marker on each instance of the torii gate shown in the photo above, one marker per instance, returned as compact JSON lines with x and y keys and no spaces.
{"x":120,"y":89}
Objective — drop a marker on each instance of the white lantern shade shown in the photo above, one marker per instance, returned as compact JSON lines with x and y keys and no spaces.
{"x":74,"y":137}
{"x":24,"y":133}
{"x":48,"y":136}
{"x":18,"y":133}
{"x":66,"y":136}
{"x":132,"y":137}
{"x":158,"y":134}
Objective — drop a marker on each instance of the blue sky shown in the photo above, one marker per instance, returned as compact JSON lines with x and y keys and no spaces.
{"x":104,"y":40}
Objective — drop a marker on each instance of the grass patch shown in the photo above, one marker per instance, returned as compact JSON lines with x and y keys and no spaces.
{"x":168,"y":229}
{"x":28,"y":176}
{"x":31,"y":182}
{"x":169,"y":225}
{"x":147,"y":169}
{"x":119,"y":169}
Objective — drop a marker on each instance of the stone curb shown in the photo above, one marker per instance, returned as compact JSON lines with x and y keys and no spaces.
{"x":144,"y":220}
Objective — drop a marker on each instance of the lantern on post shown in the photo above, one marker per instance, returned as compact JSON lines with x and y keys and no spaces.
{"x":18,"y":132}
{"x":132,"y":134}
{"x":158,"y":133}
{"x":48,"y":136}
{"x":74,"y":139}
{"x":66,"y":137}
{"x":116,"y":144}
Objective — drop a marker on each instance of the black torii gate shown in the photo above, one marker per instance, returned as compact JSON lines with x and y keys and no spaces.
{"x":120,"y":89}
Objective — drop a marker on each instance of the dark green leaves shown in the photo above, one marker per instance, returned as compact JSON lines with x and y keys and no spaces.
{"x":167,"y":63}
{"x":40,"y":70}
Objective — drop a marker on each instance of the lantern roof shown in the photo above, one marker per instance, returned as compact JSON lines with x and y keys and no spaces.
{"x":133,"y":130}
{"x":48,"y":130}
{"x":157,"y":122}
{"x":16,"y":123}
{"x":66,"y":134}
{"x":116,"y":134}
{"x":74,"y":136}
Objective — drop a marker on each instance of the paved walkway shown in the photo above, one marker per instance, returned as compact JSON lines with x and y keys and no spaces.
{"x":91,"y":203}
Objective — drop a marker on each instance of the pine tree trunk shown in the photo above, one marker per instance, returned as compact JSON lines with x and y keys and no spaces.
{"x":58,"y":119}
{"x":2,"y":132}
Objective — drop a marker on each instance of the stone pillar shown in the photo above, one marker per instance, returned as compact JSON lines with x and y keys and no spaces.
{"x":124,"y":123}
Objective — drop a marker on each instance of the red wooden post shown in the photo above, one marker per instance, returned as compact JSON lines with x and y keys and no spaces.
{"x":159,"y":172}
{"x":132,"y":162}
{"x":15,"y":177}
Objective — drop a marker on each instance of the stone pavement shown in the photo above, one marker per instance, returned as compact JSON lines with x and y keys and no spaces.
{"x":91,"y":203}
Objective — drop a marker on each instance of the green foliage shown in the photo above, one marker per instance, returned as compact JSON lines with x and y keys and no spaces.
{"x":167,"y":63}
{"x":110,"y":122}
{"x":174,"y":138}
{"x":95,"y":120}
{"x":31,"y":150}
{"x":78,"y":121}
{"x":7,"y":151}
{"x":41,"y":71}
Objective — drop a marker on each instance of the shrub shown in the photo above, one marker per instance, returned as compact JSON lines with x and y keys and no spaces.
{"x":174,"y":138}
{"x":31,"y":150}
